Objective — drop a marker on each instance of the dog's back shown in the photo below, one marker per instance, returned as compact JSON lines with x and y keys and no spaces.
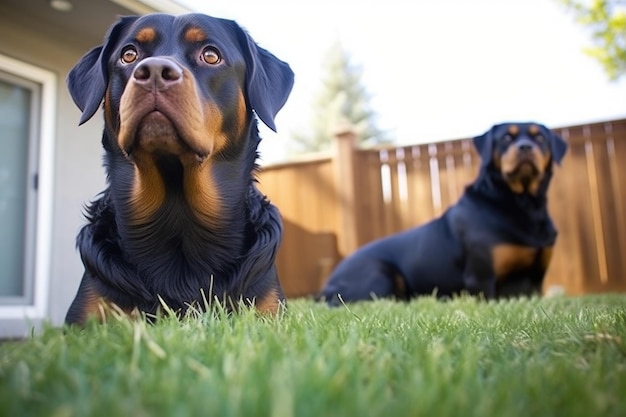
{"x":401,"y":265}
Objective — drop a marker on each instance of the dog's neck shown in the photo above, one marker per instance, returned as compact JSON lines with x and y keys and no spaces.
{"x":491,"y":186}
{"x":167,"y":193}
{"x":523,"y":210}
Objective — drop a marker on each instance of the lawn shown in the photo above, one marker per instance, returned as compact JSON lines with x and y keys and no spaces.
{"x":563,"y":356}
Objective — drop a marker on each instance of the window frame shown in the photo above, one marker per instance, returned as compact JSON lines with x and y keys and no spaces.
{"x":43,"y":138}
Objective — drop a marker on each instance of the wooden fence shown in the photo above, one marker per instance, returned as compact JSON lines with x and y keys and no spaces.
{"x":332,"y":205}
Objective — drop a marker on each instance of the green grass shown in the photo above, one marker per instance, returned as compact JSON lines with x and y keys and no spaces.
{"x":538,"y":357}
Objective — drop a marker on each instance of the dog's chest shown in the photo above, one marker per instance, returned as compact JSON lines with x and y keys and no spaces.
{"x":509,"y":258}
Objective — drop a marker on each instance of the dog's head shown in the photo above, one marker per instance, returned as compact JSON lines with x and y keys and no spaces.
{"x":181,"y":85}
{"x":522,"y":153}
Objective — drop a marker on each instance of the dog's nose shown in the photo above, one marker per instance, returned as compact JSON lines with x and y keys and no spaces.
{"x":525,"y":145}
{"x":158,"y":73}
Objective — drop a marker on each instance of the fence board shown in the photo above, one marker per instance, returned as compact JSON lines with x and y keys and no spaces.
{"x":616,"y":147}
{"x":419,"y":179}
{"x":371,"y":211}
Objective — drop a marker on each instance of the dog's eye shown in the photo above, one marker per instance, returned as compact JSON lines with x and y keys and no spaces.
{"x":539,"y":138}
{"x":507,"y":139}
{"x":129,"y":55}
{"x":211,"y":55}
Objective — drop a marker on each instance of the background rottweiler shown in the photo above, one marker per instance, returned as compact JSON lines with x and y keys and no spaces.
{"x":496,"y":240}
{"x":181,"y":219}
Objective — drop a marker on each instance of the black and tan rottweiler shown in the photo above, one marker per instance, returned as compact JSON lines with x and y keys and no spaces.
{"x":181,"y":219}
{"x":496,"y":240}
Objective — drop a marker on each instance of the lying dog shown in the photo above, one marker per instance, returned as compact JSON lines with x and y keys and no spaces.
{"x":181,"y":220}
{"x":496,"y":240}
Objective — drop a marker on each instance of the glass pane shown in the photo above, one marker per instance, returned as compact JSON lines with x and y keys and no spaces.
{"x":14,"y":136}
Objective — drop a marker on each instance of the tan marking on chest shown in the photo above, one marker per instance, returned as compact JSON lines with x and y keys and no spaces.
{"x":148,"y":191}
{"x":507,"y":258}
{"x":203,"y":194}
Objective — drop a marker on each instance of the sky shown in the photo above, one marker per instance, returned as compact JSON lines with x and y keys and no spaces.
{"x":434,"y":69}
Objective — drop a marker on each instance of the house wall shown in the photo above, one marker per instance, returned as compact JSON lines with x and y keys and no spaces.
{"x":78,"y":172}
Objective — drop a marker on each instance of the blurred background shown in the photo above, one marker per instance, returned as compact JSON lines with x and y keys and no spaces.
{"x":430,"y":71}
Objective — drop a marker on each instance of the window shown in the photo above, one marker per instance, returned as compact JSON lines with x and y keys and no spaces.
{"x":27,"y":107}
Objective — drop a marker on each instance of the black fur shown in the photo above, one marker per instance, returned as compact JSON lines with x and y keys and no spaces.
{"x":174,"y":255}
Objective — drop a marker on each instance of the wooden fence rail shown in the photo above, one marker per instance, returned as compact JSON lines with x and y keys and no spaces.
{"x":332,"y":205}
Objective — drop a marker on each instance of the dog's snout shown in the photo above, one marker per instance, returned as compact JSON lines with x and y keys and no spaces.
{"x":159,"y":73}
{"x":525,"y":146}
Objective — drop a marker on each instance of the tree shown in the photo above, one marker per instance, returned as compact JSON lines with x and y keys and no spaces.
{"x":607,"y":21}
{"x":342,"y":99}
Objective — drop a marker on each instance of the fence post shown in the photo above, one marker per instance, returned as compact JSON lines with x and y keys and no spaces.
{"x":344,"y":146}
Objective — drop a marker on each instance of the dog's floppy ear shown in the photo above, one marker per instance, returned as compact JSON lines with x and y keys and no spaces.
{"x":484,"y":146}
{"x":558,"y":147}
{"x":268,"y":80}
{"x":87,"y":81}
